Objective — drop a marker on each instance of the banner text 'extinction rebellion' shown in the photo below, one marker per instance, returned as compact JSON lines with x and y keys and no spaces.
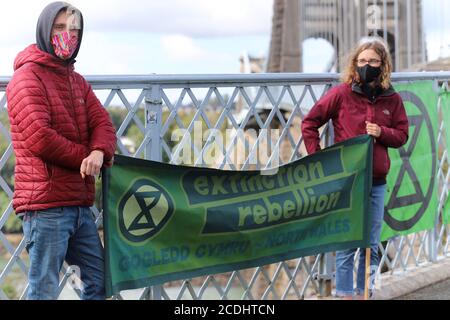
{"x":166,"y":223}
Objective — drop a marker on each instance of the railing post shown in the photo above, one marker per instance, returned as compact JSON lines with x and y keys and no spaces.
{"x":153,"y":124}
{"x":153,"y":149}
{"x":432,"y":246}
{"x":325,"y":275}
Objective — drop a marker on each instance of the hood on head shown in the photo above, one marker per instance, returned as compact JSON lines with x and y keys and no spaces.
{"x":45,"y":24}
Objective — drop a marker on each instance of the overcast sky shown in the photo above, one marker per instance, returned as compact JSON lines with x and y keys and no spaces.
{"x":176,"y":36}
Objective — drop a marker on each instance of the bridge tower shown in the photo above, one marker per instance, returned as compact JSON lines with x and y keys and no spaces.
{"x":342,"y":23}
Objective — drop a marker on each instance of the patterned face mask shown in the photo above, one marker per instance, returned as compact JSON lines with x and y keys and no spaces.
{"x":64,"y":45}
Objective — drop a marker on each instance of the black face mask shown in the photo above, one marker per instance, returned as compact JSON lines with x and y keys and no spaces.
{"x":367,"y":74}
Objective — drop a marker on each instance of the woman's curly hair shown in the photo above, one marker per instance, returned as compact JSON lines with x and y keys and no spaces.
{"x":350,"y":74}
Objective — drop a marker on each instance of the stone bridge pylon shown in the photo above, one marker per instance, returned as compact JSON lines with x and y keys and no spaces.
{"x":342,"y":23}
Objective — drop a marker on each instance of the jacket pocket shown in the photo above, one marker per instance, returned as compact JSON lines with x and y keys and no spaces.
{"x":381,"y":161}
{"x":49,"y":169}
{"x":386,"y":162}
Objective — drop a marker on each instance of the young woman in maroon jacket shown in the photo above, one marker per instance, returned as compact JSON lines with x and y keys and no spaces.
{"x":365,"y":103}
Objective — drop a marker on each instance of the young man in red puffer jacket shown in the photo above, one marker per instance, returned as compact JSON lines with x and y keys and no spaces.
{"x":62,"y":136}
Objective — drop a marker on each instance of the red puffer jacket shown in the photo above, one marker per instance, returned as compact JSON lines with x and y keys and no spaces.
{"x":349,"y":108}
{"x":56,"y":121}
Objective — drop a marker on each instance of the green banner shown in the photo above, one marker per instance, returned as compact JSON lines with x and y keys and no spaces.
{"x":411,"y":200}
{"x":165,"y":223}
{"x":445,"y":111}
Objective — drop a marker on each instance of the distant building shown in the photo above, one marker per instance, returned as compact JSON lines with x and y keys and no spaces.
{"x":441,"y":64}
{"x":252,"y":64}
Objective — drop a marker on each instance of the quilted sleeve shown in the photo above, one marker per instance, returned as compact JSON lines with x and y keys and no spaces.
{"x":102,"y":132}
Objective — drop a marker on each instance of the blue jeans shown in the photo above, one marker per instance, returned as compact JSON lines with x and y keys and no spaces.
{"x":58,"y":234}
{"x":345,"y":258}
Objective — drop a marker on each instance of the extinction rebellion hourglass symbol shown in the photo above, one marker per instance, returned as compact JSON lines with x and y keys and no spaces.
{"x":422,"y":125}
{"x":144,"y":210}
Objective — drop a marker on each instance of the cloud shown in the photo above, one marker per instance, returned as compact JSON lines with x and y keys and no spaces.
{"x":7,"y":56}
{"x":18,"y":21}
{"x":438,"y":46}
{"x":194,"y":18}
{"x":174,"y":54}
{"x":113,"y":58}
{"x":435,"y":15}
{"x":180,"y":47}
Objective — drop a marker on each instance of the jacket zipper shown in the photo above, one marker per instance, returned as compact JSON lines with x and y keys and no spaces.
{"x":49,"y":170}
{"x":371,"y":114}
{"x":76,"y":123}
{"x":72,"y":104}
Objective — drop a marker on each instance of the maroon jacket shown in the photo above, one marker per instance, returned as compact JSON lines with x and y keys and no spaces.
{"x":349,"y":109}
{"x":56,"y":121}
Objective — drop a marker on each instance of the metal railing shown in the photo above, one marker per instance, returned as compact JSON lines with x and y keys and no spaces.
{"x":148,"y":109}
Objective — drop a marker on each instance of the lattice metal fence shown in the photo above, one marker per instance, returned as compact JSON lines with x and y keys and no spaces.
{"x":156,"y":115}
